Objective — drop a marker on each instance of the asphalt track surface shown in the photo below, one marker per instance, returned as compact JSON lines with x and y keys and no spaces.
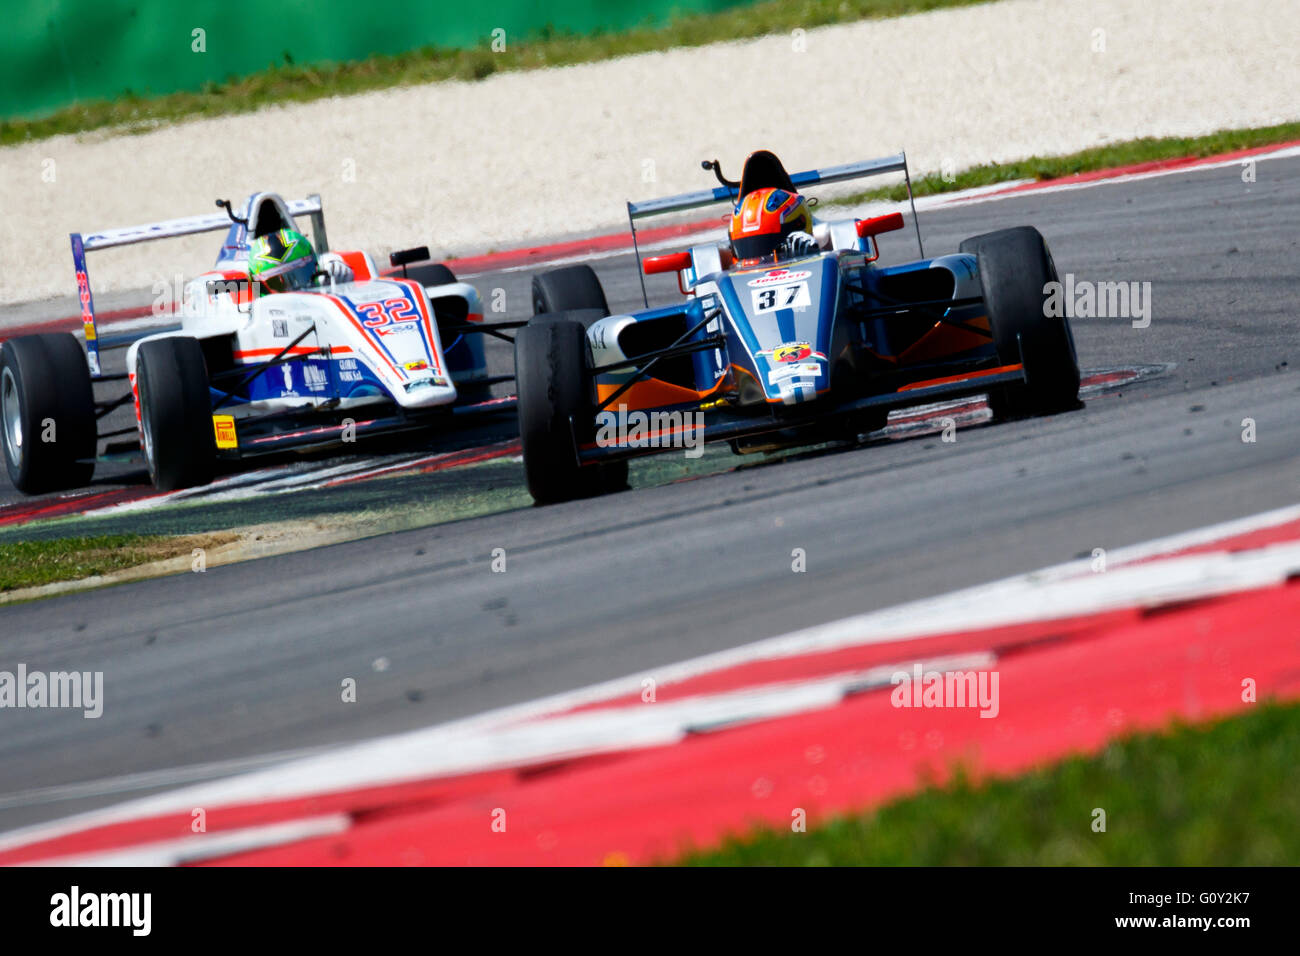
{"x":204,"y":671}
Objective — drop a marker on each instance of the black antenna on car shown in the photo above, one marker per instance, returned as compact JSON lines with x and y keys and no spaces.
{"x":716,"y":167}
{"x":225,"y":204}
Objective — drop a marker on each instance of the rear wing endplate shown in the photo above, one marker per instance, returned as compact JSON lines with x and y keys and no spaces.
{"x":811,"y":177}
{"x":169,"y":229}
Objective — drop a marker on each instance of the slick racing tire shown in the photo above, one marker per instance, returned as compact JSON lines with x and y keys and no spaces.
{"x":584,"y":317}
{"x":171,"y":379}
{"x":47,"y":413}
{"x":567,"y":289}
{"x":429,"y":274}
{"x":555,"y":387}
{"x":1014,"y":267}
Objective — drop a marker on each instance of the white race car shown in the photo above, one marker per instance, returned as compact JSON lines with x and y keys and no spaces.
{"x":247,"y":373}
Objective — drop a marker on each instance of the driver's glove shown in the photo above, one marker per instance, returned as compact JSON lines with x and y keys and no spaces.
{"x":800,"y":244}
{"x":336,"y":267}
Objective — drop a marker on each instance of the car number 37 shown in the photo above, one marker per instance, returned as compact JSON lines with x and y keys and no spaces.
{"x":781,"y":297}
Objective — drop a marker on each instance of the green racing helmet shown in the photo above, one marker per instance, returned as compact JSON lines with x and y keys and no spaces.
{"x":281,"y":261}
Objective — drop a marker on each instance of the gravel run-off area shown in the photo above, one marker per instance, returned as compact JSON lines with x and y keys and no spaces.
{"x":522,"y":157}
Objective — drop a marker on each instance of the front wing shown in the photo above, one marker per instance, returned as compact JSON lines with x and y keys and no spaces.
{"x":727,"y":425}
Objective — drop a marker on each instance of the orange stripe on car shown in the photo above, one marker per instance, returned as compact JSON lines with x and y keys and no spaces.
{"x":297,"y":350}
{"x":356,"y":261}
{"x":656,"y":393}
{"x":968,"y":377}
{"x":944,"y":338}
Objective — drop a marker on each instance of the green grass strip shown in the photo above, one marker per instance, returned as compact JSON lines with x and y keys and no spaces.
{"x":1222,"y":794}
{"x":25,"y":564}
{"x":1127,"y":153}
{"x":290,"y":83}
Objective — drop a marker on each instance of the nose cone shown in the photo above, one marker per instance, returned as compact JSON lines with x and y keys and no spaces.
{"x":784,"y":315}
{"x":795,"y":373}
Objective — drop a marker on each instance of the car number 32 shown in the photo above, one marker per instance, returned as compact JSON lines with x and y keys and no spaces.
{"x":388,"y":311}
{"x":781,"y":297}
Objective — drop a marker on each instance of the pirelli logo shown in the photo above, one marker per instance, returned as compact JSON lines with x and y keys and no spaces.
{"x":224,"y":427}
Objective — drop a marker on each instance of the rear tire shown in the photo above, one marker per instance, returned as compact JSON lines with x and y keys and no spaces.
{"x":568,"y":289}
{"x":45,"y":393}
{"x":429,"y":274}
{"x":176,"y":413}
{"x":1014,"y":267}
{"x":554,"y":386}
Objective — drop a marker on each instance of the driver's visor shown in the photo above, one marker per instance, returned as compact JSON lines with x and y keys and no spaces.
{"x":289,"y":277}
{"x":756,"y":247}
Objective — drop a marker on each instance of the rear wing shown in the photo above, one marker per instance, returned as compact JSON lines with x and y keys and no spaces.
{"x":236,"y":239}
{"x":811,"y":177}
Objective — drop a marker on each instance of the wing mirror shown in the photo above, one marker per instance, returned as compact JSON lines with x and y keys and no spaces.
{"x":878,"y":224}
{"x":653,"y":265}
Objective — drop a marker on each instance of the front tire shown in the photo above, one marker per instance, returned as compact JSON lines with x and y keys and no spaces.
{"x":47,"y":413}
{"x":555,"y":388}
{"x":569,"y":289}
{"x":175,"y":413}
{"x":584,"y":317}
{"x":1015,"y":266}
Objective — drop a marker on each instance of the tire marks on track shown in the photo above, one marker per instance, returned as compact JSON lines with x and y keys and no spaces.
{"x":297,"y":477}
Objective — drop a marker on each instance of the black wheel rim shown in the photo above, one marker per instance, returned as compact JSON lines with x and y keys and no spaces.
{"x":11,"y":417}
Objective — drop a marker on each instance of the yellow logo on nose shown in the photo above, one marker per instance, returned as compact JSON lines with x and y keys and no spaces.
{"x":792,"y":353}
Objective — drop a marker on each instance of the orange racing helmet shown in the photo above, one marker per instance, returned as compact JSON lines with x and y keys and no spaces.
{"x":762,"y":220}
